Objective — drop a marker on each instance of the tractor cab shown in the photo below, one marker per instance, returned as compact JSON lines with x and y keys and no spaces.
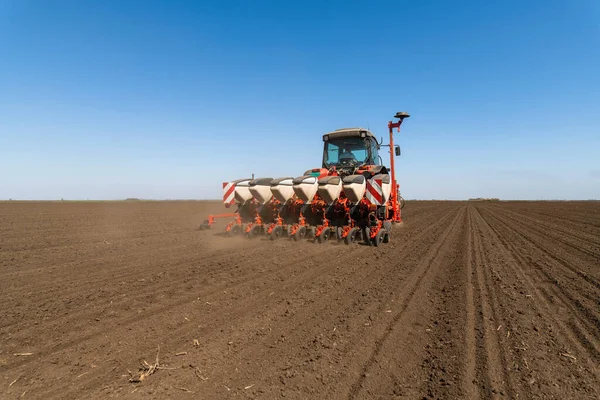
{"x":350,"y":148}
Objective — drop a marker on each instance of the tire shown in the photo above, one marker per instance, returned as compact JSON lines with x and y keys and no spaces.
{"x":387,"y":225}
{"x":300,"y":233}
{"x":386,"y":237}
{"x":366,"y":236}
{"x":276,"y":232}
{"x":351,"y":237}
{"x":234,"y":230}
{"x":254,"y":231}
{"x":204,"y":225}
{"x":378,"y":239}
{"x":338,"y":233}
{"x":324,"y":236}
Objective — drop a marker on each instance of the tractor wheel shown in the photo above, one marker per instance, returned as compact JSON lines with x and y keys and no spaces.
{"x":324,"y":236}
{"x":351,"y":237}
{"x":276,"y":232}
{"x":386,"y":237}
{"x":378,"y":239}
{"x":300,"y":233}
{"x":339,"y":231}
{"x":387,"y":225}
{"x":204,"y":225}
{"x":366,"y":236}
{"x":254,"y":231}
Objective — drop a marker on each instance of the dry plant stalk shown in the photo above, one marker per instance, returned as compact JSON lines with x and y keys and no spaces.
{"x":147,"y":369}
{"x":569,"y":356}
{"x":198,"y":373}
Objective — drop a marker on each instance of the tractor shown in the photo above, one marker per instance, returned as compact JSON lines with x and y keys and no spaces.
{"x":351,"y":197}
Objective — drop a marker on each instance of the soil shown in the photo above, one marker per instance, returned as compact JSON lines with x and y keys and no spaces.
{"x":468,"y":300}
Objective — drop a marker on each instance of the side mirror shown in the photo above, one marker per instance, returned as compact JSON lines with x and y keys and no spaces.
{"x":397,"y":150}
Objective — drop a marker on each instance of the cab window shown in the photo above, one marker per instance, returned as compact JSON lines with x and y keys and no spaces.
{"x":375,"y":152}
{"x":346,"y":152}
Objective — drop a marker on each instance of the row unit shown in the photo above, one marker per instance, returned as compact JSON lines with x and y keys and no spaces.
{"x":305,"y":187}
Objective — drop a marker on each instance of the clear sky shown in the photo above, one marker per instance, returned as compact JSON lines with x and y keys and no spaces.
{"x":107,"y":99}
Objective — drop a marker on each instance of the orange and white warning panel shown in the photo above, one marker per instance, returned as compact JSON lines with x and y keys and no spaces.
{"x":374,"y":192}
{"x":228,"y":192}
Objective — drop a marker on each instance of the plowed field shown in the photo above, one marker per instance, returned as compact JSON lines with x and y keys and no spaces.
{"x":469,"y":300}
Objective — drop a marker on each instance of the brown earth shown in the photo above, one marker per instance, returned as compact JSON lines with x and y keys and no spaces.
{"x":469,"y":300}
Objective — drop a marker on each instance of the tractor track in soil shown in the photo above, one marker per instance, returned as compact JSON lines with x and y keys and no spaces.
{"x":468,"y":300}
{"x":546,"y":313}
{"x":583,"y":323}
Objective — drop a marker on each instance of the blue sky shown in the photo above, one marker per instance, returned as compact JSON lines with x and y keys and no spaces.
{"x":167,"y":99}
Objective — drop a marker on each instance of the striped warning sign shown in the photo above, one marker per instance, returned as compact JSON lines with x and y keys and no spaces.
{"x":374,"y":192}
{"x":228,"y":192}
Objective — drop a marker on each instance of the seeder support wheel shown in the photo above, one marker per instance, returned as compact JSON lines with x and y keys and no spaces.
{"x":254,"y":231}
{"x":235,"y":230}
{"x":378,"y":239}
{"x":324,"y":236}
{"x":339,"y":231}
{"x":276,"y":232}
{"x":300,"y":233}
{"x":351,"y":236}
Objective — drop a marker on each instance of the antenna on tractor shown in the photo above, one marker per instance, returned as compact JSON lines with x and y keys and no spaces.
{"x":395,"y":151}
{"x":402,"y":115}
